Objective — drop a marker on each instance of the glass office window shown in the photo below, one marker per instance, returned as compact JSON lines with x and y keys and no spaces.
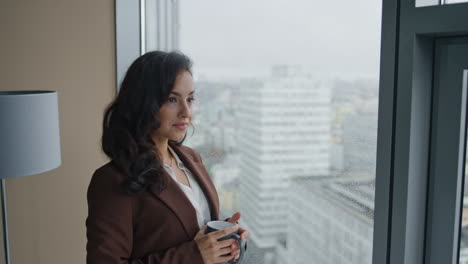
{"x":455,"y":1}
{"x":421,"y":3}
{"x":464,"y":221}
{"x":286,"y":121}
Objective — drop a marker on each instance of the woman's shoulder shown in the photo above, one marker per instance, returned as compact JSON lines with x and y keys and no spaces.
{"x":108,"y":170}
{"x":105,"y":194}
{"x":108,"y":176}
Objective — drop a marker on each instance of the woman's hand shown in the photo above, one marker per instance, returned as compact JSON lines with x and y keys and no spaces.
{"x":211,"y":249}
{"x":242,"y":232}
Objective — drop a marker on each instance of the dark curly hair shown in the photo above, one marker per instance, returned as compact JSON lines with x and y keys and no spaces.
{"x":131,"y":119}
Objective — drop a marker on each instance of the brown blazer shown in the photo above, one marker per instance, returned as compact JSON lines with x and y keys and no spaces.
{"x":148,"y":228}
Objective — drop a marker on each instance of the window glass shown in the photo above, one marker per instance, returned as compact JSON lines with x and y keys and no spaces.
{"x":464,"y":220}
{"x":286,"y":121}
{"x":455,"y":1}
{"x":421,"y":3}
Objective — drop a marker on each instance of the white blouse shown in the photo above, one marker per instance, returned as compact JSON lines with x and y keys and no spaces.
{"x":194,"y":194}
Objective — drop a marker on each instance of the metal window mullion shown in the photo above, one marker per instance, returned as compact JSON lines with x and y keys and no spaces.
{"x":451,"y":19}
{"x":158,"y":25}
{"x":142,"y":27}
{"x":409,"y":187}
{"x":175,"y":21}
{"x":166,"y":25}
{"x":449,"y":156}
{"x":411,"y":141}
{"x":127,"y":36}
{"x":410,"y":160}
{"x":385,"y":139}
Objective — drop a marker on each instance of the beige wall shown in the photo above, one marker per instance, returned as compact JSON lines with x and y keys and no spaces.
{"x":68,"y":46}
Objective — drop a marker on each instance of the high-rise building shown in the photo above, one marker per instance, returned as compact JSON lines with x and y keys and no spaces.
{"x":284,"y":129}
{"x":225,"y":176}
{"x":353,"y":126}
{"x":330,"y":220}
{"x":359,"y":139}
{"x":464,"y":232}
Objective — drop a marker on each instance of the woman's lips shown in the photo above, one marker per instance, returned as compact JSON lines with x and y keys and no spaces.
{"x":181,"y":126}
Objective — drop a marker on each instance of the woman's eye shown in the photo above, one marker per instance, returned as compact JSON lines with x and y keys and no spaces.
{"x":172,"y":99}
{"x":191,"y":99}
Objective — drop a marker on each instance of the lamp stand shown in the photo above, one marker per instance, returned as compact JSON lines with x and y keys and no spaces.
{"x":5,"y":224}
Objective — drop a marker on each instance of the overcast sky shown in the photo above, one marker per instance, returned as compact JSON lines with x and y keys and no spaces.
{"x":243,"y":37}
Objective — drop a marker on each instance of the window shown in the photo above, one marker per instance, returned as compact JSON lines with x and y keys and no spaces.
{"x":418,"y":183}
{"x":346,"y":43}
{"x":278,"y":77}
{"x":421,"y":3}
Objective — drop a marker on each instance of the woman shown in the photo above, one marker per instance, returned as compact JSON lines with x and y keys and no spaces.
{"x":151,"y":202}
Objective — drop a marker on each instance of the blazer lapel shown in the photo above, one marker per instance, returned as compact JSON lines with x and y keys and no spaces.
{"x":201,"y":176}
{"x":176,"y":199}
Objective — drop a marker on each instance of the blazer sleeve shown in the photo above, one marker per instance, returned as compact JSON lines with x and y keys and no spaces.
{"x":109,"y":229}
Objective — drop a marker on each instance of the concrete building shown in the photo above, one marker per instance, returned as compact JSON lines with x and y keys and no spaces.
{"x":330,"y":220}
{"x":353,"y":125}
{"x":225,"y":176}
{"x":359,"y":141}
{"x":464,"y":231}
{"x":284,"y":128}
{"x":214,"y":117}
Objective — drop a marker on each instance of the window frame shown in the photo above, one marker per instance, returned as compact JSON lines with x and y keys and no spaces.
{"x":129,"y":42}
{"x":404,"y":121}
{"x":404,"y":125}
{"x":131,"y":30}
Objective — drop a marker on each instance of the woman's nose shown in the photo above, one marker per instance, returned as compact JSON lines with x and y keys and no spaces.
{"x":186,"y":110}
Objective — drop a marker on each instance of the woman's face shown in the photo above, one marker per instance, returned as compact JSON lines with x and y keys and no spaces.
{"x":176,"y":113}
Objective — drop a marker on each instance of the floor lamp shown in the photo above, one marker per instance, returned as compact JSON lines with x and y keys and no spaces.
{"x":29,"y":139}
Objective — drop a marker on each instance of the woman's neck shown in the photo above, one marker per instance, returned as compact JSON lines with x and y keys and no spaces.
{"x":163,"y":150}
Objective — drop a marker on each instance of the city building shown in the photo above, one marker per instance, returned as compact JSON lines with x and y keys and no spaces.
{"x":284,"y":130}
{"x":225,"y":176}
{"x":330,"y":220}
{"x":359,"y":139}
{"x":353,"y":125}
{"x":464,"y":231}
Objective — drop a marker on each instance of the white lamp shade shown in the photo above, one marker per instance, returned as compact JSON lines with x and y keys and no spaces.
{"x":29,"y":133}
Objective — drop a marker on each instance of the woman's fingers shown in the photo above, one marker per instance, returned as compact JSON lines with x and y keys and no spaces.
{"x":244,"y":233}
{"x":224,"y":259}
{"x":200,"y":233}
{"x":226,"y":250}
{"x":203,"y":229}
{"x":212,"y":249}
{"x":234,"y":246}
{"x":226,"y":243}
{"x":235,"y":217}
{"x":222,"y":233}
